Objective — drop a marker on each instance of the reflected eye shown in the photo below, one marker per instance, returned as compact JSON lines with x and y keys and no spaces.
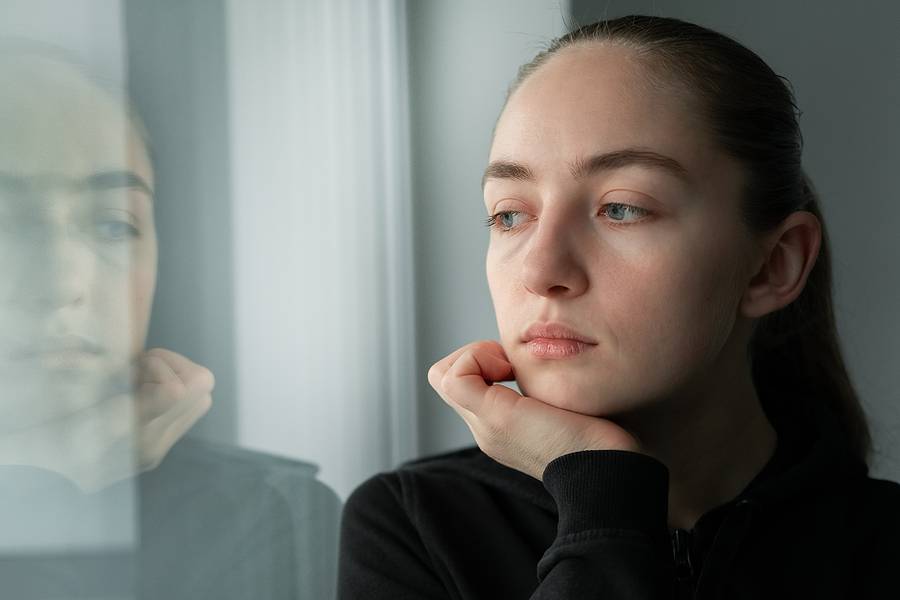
{"x":116,"y":230}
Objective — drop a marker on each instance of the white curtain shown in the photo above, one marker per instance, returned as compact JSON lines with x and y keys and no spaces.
{"x":322,"y":217}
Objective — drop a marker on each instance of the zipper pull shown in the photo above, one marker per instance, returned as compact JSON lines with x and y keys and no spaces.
{"x":681,"y":550}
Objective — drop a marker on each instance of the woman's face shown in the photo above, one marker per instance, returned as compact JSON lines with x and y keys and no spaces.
{"x":647,"y":262}
{"x":77,"y":242}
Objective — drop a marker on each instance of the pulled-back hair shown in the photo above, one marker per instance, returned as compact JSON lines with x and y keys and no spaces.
{"x":794,"y":352}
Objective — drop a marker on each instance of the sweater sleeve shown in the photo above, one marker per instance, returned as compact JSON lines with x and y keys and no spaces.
{"x":612,"y":537}
{"x":381,"y":554}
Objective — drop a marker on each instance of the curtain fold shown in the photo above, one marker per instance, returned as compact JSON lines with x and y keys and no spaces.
{"x":323,"y":270}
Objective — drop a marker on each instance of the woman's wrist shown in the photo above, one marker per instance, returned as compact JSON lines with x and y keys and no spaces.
{"x":603,"y":489}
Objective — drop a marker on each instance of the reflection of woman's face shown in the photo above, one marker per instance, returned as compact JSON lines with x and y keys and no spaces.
{"x":646,"y":263}
{"x":77,"y":242}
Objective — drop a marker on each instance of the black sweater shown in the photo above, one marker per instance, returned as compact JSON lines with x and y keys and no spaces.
{"x":812,"y":524}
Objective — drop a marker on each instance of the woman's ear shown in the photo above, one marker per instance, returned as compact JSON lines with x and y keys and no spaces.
{"x":788,"y":256}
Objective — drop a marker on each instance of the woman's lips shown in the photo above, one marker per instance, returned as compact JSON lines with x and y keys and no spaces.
{"x":62,"y":360}
{"x":555,"y":348}
{"x":67,"y":359}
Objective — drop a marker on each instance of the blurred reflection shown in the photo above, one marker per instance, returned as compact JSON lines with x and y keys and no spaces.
{"x":78,"y":258}
{"x":84,"y":407}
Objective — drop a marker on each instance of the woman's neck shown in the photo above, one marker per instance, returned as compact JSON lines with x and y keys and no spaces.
{"x":714,"y":438}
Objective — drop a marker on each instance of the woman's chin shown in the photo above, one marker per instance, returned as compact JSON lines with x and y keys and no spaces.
{"x":30,"y":403}
{"x":584,"y":399}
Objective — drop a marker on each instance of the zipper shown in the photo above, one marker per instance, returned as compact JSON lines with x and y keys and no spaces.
{"x":685,"y":583}
{"x":684,"y":568}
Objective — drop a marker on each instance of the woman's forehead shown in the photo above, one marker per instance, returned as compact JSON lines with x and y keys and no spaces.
{"x":589,"y":101}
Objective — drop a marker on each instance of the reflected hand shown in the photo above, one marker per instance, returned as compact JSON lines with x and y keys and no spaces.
{"x":520,"y":432}
{"x":125,"y":433}
{"x":172,"y":393}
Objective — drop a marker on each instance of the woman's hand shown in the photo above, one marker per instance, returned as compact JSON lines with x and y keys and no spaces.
{"x":517,"y":431}
{"x":125,"y":432}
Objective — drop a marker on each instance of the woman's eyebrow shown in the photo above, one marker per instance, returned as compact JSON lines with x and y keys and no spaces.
{"x":581,"y":168}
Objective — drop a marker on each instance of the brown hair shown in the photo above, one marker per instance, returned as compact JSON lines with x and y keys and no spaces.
{"x":794,"y":352}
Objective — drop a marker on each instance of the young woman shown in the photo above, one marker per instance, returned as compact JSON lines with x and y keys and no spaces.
{"x":660,"y":273}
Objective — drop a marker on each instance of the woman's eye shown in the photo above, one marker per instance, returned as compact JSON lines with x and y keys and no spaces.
{"x":617,"y":212}
{"x":502,"y":220}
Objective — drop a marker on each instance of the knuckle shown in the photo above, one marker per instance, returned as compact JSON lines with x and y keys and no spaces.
{"x":432,"y":374}
{"x":450,"y":387}
{"x":205,"y":403}
{"x":205,"y":378}
{"x":446,"y":380}
{"x":211,"y":378}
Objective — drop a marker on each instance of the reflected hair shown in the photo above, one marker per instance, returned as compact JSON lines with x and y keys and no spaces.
{"x":750,"y":111}
{"x":14,"y":48}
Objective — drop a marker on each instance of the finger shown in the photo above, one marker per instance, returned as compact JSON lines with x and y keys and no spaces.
{"x":467,"y":415}
{"x":194,"y":376}
{"x":436,"y":374}
{"x":156,"y":405}
{"x":438,"y":369}
{"x":158,"y":437}
{"x":155,"y":369}
{"x":159,"y":390}
{"x":471,"y":378}
{"x":469,"y":418}
{"x":179,"y":363}
{"x":495,"y":367}
{"x":487,"y":347}
{"x":171,"y":382}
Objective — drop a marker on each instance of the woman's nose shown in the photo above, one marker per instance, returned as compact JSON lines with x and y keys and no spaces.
{"x":553,"y":265}
{"x":59,"y":274}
